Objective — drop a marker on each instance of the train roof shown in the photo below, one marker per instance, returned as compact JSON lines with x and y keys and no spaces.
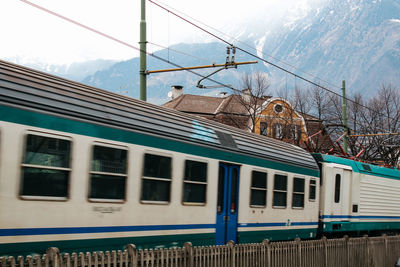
{"x":360,"y":167}
{"x":38,"y":99}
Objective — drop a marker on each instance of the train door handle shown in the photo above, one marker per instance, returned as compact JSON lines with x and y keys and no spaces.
{"x":226,"y":218}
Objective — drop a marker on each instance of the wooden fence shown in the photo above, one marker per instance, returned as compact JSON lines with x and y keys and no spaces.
{"x":352,"y":252}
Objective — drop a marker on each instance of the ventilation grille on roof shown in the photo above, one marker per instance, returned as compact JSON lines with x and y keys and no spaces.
{"x":366,"y":167}
{"x":226,"y":139}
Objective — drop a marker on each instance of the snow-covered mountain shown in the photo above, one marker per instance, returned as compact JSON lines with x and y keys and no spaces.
{"x":353,"y":40}
{"x":320,"y":40}
{"x":73,"y":71}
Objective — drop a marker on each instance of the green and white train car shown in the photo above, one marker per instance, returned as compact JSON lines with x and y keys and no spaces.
{"x":358,"y":198}
{"x":85,"y":169}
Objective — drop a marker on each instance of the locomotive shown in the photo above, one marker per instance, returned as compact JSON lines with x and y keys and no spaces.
{"x":84,"y":169}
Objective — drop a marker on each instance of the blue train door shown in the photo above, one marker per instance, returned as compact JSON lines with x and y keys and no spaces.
{"x":227,"y":206}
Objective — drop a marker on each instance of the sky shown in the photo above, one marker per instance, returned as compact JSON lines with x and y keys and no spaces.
{"x":31,"y":34}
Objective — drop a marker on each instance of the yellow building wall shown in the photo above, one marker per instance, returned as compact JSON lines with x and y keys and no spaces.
{"x":287,"y":117}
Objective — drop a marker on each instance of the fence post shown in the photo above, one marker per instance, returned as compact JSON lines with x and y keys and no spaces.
{"x":54,"y":256}
{"x":189,"y":253}
{"x":325,"y":242}
{"x":132,"y":255}
{"x":367,"y":249}
{"x":387,"y":255}
{"x":346,"y":242}
{"x":231,"y":246}
{"x":298,"y":243}
{"x":267,"y":249}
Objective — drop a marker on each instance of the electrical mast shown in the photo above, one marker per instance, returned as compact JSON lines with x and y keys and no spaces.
{"x":142,"y":42}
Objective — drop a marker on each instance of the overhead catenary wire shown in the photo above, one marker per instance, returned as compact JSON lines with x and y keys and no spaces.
{"x":254,"y":55}
{"x":241,"y":49}
{"x":179,"y":66}
{"x":125,"y":43}
{"x":249,"y":46}
{"x":179,"y":52}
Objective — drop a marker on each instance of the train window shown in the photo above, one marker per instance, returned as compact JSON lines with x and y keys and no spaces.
{"x":280,"y":191}
{"x":46,"y":166}
{"x":195,"y":182}
{"x":298,"y":193}
{"x":337,"y":188}
{"x":258,"y":194}
{"x":156,"y":183}
{"x":313,"y":190}
{"x":108,"y":173}
{"x":221,"y":189}
{"x":234,"y":188}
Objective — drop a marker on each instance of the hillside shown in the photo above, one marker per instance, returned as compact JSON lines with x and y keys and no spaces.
{"x":354,"y":40}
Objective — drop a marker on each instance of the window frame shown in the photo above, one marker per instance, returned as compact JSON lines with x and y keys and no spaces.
{"x":108,"y":200}
{"x":294,"y":132}
{"x":338,"y":188}
{"x":259,"y":189}
{"x":299,"y":193}
{"x":315,"y":190}
{"x":194,"y":182}
{"x":25,"y":165}
{"x":280,"y":191}
{"x":278,"y":131}
{"x":264,"y":128}
{"x":149,"y":178}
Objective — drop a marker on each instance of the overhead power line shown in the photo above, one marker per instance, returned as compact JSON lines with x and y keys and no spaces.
{"x":125,"y":43}
{"x":177,"y":65}
{"x":179,"y":52}
{"x":252,"y":54}
{"x":249,"y":46}
{"x":241,"y":49}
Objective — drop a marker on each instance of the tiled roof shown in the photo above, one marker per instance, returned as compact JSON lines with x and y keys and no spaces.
{"x":207,"y":104}
{"x":195,"y":104}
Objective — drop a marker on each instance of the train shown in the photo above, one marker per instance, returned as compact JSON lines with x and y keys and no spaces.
{"x":85,"y":169}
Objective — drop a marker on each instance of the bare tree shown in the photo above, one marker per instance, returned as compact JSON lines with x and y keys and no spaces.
{"x":382,"y":120}
{"x":301,"y":100}
{"x":248,"y":102}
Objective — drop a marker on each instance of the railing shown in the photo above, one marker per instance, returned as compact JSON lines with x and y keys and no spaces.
{"x":352,"y":252}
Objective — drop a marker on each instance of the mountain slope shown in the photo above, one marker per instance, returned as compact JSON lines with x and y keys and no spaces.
{"x":353,"y":40}
{"x":358,"y":41}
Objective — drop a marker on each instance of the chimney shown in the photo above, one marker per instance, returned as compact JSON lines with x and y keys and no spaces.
{"x":176,"y":91}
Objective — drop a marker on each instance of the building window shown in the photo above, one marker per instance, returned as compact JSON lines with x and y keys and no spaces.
{"x":108,"y":173}
{"x":46,"y":166}
{"x":278,"y":134}
{"x":337,"y":188}
{"x":156,"y":183}
{"x":280,"y":191}
{"x":258,"y":194}
{"x":313,"y":190}
{"x":298,"y":193}
{"x":295,"y":132}
{"x":278,"y":108}
{"x":264,"y":128}
{"x":195,"y":182}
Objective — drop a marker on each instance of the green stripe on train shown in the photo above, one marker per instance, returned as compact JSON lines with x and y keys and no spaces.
{"x":106,"y":244}
{"x":46,"y":121}
{"x":359,"y":226}
{"x":146,"y":242}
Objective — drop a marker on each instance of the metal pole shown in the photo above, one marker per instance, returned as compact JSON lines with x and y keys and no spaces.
{"x":344,"y":116}
{"x":142,"y":79}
